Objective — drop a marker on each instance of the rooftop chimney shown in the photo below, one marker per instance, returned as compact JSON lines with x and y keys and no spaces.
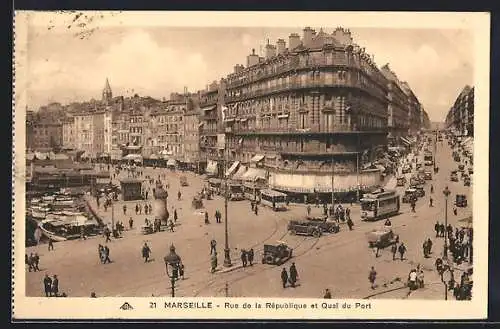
{"x":270,"y":50}
{"x":281,"y":46}
{"x":308,"y":36}
{"x":252,"y":59}
{"x":293,"y":41}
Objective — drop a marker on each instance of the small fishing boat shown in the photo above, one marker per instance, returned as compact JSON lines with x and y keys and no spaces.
{"x":61,"y":228}
{"x":38,"y":212}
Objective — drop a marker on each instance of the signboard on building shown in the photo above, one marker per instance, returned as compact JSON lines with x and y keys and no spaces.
{"x":221,"y":141}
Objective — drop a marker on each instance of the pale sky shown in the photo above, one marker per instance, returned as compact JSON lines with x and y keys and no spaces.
{"x":156,"y":60}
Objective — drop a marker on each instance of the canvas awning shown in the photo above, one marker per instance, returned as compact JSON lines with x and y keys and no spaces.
{"x":233,"y":168}
{"x":211,"y":167}
{"x":253,"y":174}
{"x":209,"y":108}
{"x":239,"y":173}
{"x":153,"y":157}
{"x":257,"y":158}
{"x":171,"y":162}
{"x":134,"y":157}
{"x":302,"y":183}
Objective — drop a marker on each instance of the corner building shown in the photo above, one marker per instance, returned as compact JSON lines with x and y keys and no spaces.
{"x":309,"y":115}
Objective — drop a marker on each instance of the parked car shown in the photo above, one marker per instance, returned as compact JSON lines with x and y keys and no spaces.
{"x":325,"y":223}
{"x":276,"y":254}
{"x":410,"y":194}
{"x":401,"y":181}
{"x":304,"y":228}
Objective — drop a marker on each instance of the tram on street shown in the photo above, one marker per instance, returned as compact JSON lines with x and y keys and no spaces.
{"x":273,"y":199}
{"x":251,"y":190}
{"x":379,"y":204}
{"x":235,"y":191}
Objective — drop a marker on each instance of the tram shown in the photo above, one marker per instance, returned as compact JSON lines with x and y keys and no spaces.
{"x":273,"y":199}
{"x":379,"y":204}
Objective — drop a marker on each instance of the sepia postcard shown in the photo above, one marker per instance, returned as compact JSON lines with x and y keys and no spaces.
{"x":250,"y":165}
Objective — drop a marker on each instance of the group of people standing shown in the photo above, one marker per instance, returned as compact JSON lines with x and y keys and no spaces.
{"x":291,"y":278}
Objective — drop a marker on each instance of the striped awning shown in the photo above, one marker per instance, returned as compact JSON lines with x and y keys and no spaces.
{"x":239,"y":174}
{"x":233,"y":168}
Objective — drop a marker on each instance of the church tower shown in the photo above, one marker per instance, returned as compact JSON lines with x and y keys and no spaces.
{"x":107,"y":94}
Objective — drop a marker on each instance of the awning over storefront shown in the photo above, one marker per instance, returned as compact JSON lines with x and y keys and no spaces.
{"x":253,"y":174}
{"x":239,"y":174}
{"x":153,"y":157}
{"x":211,"y":167}
{"x":302,"y":183}
{"x":233,"y":168}
{"x":171,"y":162}
{"x":134,"y":157}
{"x":257,"y":158}
{"x":209,"y":108}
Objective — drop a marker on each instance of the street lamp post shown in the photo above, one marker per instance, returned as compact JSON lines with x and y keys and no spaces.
{"x":227,"y":256}
{"x":446,"y":193}
{"x":172,"y":261}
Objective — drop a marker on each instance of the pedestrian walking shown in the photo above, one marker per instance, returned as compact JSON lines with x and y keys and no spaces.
{"x":51,"y":244}
{"x":100,"y":251}
{"x":250,"y":256}
{"x":55,"y":286}
{"x":213,"y":244}
{"x":256,"y":210}
{"x":146,"y":251}
{"x":372,"y":276}
{"x":106,"y":255}
{"x":437,"y":229}
{"x":47,"y":283}
{"x":181,"y":271}
{"x":175,"y":215}
{"x":430,"y":202}
{"x":36,"y":261}
{"x":432,"y":189}
{"x":216,"y":215}
{"x":244,"y":257}
{"x":179,"y":194}
{"x":136,"y":209}
{"x":108,"y":235}
{"x":350,"y":223}
{"x":130,"y":223}
{"x":308,"y":210}
{"x":327,"y":295}
{"x":394,"y":250}
{"x":206,"y":218}
{"x":402,"y":250}
{"x":124,"y":209}
{"x":213,"y":261}
{"x":171,"y":225}
{"x":294,"y":275}
{"x":284,"y":277}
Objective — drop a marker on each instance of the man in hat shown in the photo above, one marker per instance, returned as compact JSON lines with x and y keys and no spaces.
{"x":146,"y":251}
{"x":284,"y":277}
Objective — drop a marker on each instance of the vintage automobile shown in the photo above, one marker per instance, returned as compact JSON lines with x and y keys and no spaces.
{"x":420,"y":192}
{"x":401,"y":181}
{"x":416,"y":180}
{"x":454,"y":176}
{"x":325,"y":223}
{"x":296,"y":227}
{"x":410,"y":194}
{"x":406,"y":169}
{"x":276,"y":254}
{"x":183,"y":181}
{"x":428,"y":175}
{"x":382,"y":237}
{"x":461,"y":200}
